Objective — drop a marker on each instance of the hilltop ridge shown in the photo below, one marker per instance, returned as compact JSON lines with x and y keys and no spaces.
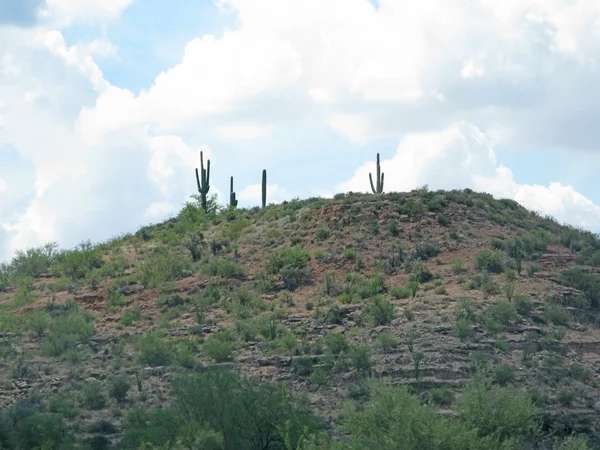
{"x":481,"y":317}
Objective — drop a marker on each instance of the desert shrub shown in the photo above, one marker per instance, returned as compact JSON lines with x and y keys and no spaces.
{"x":523,"y":304}
{"x":92,"y":395}
{"x":500,"y":315}
{"x":294,"y":277}
{"x":76,"y":263}
{"x":68,"y":328}
{"x":119,"y":387}
{"x":336,"y":343}
{"x":154,"y":349}
{"x":218,"y":349}
{"x":222,"y":408}
{"x":556,"y":314}
{"x":400,"y":292}
{"x":504,"y":374}
{"x":162,"y":266}
{"x":373,"y":286}
{"x":442,"y":396}
{"x":396,"y":419}
{"x":426,"y":250}
{"x":31,"y":262}
{"x":380,"y":310}
{"x":295,"y":256}
{"x":587,"y":282}
{"x":387,"y":341}
{"x":224,"y":268}
{"x":489,"y":260}
{"x":500,"y":414}
{"x":24,"y":427}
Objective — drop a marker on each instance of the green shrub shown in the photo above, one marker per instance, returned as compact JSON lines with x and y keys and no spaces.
{"x":556,"y":314}
{"x":218,"y":349}
{"x":225,"y":268}
{"x":442,"y":396}
{"x":68,"y":328}
{"x":162,"y":266}
{"x":489,"y":260}
{"x":295,"y":256}
{"x":31,"y":262}
{"x":587,"y":282}
{"x":154,"y":349}
{"x":504,"y":374}
{"x":294,"y":277}
{"x":380,"y":310}
{"x":76,"y":263}
{"x":387,"y":341}
{"x":336,"y":343}
{"x":92,"y":395}
{"x":400,"y":292}
{"x":119,"y":387}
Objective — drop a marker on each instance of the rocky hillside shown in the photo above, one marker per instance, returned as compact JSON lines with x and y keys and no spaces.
{"x":425,"y":320}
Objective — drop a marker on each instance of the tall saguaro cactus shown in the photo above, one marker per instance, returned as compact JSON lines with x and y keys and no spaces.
{"x":379,"y":189}
{"x":232,"y":200}
{"x":203,"y":181}
{"x":264,"y":188}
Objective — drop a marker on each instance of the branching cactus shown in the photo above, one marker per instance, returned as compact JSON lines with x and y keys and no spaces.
{"x":232,"y":200}
{"x":264,"y":188}
{"x":379,"y":188}
{"x":202,"y":179}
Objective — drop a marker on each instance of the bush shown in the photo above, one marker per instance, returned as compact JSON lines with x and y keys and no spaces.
{"x":32,"y":262}
{"x":161,"y":267}
{"x":587,"y":282}
{"x":295,"y":256}
{"x":119,"y":388}
{"x":336,"y":343}
{"x":154,"y":349}
{"x":380,"y":310}
{"x":76,"y":263}
{"x":489,"y":260}
{"x":92,"y":396}
{"x":442,"y":396}
{"x":387,"y":341}
{"x":68,"y":328}
{"x":400,"y":292}
{"x":224,"y":268}
{"x":556,"y":314}
{"x":294,"y":277}
{"x":218,"y":349}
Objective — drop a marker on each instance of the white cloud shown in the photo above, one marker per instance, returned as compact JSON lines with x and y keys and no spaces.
{"x":354,"y":126}
{"x":460,"y":157}
{"x":243,"y":132}
{"x":3,"y":186}
{"x":64,"y":12}
{"x":100,"y":153}
{"x":252,"y":194}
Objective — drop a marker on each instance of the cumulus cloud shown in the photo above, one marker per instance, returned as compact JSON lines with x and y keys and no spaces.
{"x":252,"y":194}
{"x":57,"y":186}
{"x":64,"y":12}
{"x":461,"y":157}
{"x":243,"y":131}
{"x":100,"y":159}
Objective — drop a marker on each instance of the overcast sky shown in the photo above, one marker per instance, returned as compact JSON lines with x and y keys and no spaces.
{"x":105,"y":105}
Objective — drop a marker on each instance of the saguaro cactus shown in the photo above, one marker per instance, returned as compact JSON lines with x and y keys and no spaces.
{"x":203,"y":181}
{"x":264,"y":188}
{"x":232,"y":200}
{"x":379,"y":189}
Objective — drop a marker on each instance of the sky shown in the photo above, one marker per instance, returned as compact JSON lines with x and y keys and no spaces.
{"x":106,"y":104}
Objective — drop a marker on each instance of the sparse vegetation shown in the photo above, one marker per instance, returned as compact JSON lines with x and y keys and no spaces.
{"x":364,"y":301}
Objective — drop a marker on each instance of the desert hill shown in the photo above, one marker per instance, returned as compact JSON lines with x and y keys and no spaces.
{"x":425,"y":320}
